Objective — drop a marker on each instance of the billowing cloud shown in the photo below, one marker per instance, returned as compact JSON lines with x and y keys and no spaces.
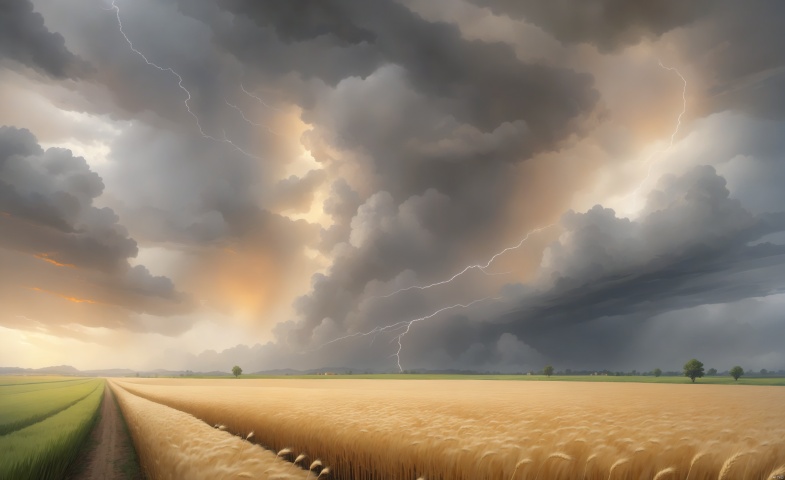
{"x":693,"y":245}
{"x":608,"y":24}
{"x":310,"y":158}
{"x":49,"y":217}
{"x":25,"y":39}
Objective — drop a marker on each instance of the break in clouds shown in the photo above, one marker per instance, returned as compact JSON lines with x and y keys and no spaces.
{"x":249,"y":182}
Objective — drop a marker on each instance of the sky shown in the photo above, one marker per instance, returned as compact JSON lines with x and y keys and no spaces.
{"x":415,"y":184}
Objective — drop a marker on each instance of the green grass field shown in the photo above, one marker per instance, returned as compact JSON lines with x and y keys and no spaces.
{"x":775,"y":381}
{"x":43,"y":450}
{"x":22,"y":405}
{"x":8,"y":380}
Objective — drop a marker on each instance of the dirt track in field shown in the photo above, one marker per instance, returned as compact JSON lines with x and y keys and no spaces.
{"x":109,"y":454}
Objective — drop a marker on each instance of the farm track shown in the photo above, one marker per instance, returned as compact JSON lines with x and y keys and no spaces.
{"x":111,"y":454}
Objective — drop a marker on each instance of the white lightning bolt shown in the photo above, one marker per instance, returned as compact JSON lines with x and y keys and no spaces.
{"x":648,"y":160}
{"x":405,"y":326}
{"x":480,"y":267}
{"x":163,"y":69}
{"x":179,"y":84}
{"x":225,"y":139}
{"x":247,"y":120}
{"x":258,"y":99}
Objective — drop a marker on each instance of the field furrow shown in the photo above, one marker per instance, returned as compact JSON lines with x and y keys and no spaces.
{"x":476,"y":430}
{"x":175,"y":445}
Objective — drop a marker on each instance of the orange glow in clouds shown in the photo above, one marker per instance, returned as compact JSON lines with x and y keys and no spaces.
{"x":47,"y":258}
{"x":66,"y":297}
{"x":243,"y":282}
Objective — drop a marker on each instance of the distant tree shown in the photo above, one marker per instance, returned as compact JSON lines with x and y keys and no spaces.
{"x":711,"y":372}
{"x":693,"y":369}
{"x":763,"y":371}
{"x":548,"y":370}
{"x":736,"y":372}
{"x":657,"y":372}
{"x":237,"y":371}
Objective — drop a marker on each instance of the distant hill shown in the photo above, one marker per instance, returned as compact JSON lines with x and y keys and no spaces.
{"x":56,"y":370}
{"x":108,"y":372}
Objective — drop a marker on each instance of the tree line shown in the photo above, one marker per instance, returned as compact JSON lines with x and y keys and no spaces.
{"x":693,"y":370}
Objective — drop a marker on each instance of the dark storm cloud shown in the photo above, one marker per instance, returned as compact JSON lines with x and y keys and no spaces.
{"x":434,"y":122}
{"x":691,"y":247}
{"x":46,"y":200}
{"x":479,"y":83}
{"x":608,"y":24}
{"x":739,"y":45}
{"x":25,"y":39}
{"x":424,"y":137}
{"x":51,"y":192}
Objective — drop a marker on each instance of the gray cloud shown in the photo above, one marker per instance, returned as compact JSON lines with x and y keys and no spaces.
{"x":608,"y":24}
{"x":610,"y":275}
{"x":747,"y":74}
{"x":434,"y":151}
{"x":296,"y":193}
{"x":25,"y":39}
{"x":46,"y":200}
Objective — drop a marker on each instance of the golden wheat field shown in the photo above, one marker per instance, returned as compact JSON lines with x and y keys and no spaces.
{"x":175,"y":445}
{"x":476,"y":430}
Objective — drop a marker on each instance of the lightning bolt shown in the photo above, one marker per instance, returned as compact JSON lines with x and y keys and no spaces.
{"x":179,"y":84}
{"x":236,"y":147}
{"x":404,"y":326}
{"x":163,"y":69}
{"x":664,"y":151}
{"x":258,"y":99}
{"x":247,"y":120}
{"x":480,"y":267}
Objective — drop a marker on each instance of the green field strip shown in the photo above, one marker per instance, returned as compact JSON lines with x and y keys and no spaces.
{"x":11,"y":381}
{"x":20,"y":411}
{"x":35,"y":387}
{"x":44,"y":450}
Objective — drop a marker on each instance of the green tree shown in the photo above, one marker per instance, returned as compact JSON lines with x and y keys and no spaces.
{"x":763,"y":371}
{"x":548,"y":370}
{"x":711,"y":372}
{"x":693,"y":369}
{"x":237,"y":371}
{"x":736,"y":372}
{"x":657,"y":372}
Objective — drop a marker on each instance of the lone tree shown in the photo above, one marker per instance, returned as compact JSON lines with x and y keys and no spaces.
{"x":693,"y":369}
{"x":237,"y":371}
{"x":657,"y":372}
{"x":548,"y":370}
{"x":711,"y":372}
{"x":736,"y":372}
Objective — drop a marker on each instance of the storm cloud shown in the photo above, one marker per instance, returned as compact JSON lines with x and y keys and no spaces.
{"x":48,"y":216}
{"x":289,"y":173}
{"x":25,"y":38}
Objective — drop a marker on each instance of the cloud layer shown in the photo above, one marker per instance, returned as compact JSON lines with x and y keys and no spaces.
{"x":291,"y":164}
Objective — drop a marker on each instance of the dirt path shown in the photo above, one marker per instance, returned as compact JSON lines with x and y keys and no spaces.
{"x":109,"y":454}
